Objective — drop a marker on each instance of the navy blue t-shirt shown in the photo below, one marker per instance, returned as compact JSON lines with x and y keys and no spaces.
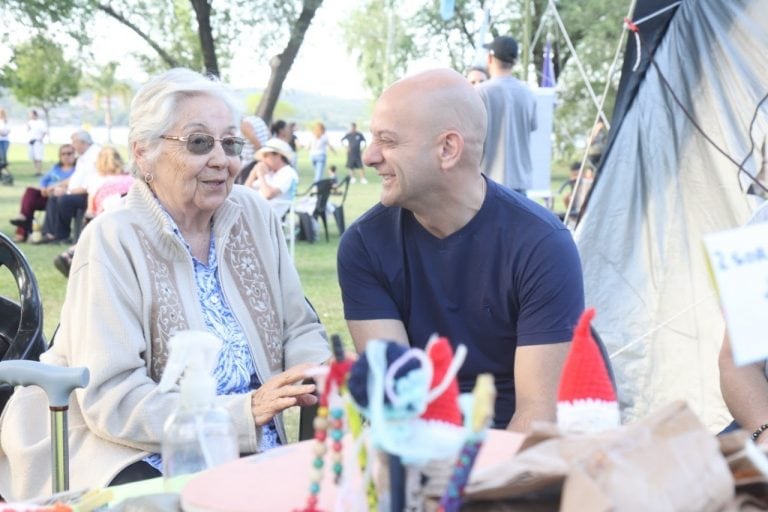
{"x":510,"y":277}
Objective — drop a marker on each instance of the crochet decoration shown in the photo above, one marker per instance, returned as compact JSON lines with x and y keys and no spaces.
{"x":410,"y":397}
{"x":586,"y":399}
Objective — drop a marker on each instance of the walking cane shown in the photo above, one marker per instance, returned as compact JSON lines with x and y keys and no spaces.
{"x":58,"y":383}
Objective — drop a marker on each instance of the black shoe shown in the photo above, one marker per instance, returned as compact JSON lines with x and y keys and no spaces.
{"x":63,"y":262}
{"x":19,"y":222}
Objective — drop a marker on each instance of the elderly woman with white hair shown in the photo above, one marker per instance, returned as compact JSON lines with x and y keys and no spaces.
{"x":187,"y":251}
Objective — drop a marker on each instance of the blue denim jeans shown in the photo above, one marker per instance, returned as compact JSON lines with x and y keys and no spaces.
{"x":318,"y":163}
{"x":4,"y":151}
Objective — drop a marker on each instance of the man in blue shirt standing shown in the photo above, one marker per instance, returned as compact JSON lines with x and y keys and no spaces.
{"x":449,"y":251}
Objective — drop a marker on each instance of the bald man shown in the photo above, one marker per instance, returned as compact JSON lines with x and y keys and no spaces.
{"x":449,"y":251}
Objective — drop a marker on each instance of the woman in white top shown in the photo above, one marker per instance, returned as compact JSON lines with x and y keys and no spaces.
{"x":273,"y":176}
{"x":4,"y":142}
{"x":318,"y":150}
{"x":36,"y":131}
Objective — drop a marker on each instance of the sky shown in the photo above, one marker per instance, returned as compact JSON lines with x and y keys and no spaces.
{"x":322,"y":65}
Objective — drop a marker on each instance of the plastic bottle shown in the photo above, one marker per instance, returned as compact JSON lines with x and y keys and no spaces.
{"x":199,"y":434}
{"x":37,"y":232}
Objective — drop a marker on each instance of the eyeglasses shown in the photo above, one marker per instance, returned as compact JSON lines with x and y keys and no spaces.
{"x":66,"y":153}
{"x":202,"y":144}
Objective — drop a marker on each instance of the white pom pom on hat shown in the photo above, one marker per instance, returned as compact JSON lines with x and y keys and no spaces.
{"x":586,"y":399}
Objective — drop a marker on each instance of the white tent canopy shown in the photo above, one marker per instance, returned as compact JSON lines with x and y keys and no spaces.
{"x":662,"y":186}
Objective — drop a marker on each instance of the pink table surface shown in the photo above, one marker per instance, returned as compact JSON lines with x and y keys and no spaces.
{"x":279,"y":480}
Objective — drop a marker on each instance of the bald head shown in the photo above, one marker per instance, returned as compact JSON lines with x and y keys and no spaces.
{"x":437,"y":101}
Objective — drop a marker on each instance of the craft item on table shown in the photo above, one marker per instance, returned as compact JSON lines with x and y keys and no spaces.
{"x":31,"y":507}
{"x":410,"y":397}
{"x":586,"y":399}
{"x":364,"y":462}
{"x":329,"y":422}
{"x":484,"y":399}
{"x":65,"y":501}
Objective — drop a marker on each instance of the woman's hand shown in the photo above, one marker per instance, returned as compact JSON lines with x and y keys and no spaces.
{"x":261,"y":170}
{"x":281,"y":392}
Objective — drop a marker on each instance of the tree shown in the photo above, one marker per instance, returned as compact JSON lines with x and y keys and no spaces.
{"x":191,"y":33}
{"x":281,"y":63}
{"x":39,"y":75}
{"x":380,"y":41}
{"x":593,"y":26}
{"x":105,"y":87}
{"x":283,"y":110}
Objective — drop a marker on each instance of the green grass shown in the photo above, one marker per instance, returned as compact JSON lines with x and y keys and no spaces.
{"x":316,"y":262}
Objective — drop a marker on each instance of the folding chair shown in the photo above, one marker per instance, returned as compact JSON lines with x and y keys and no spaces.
{"x":338,"y":212}
{"x":606,"y":357}
{"x":6,"y":178}
{"x":322,"y":192}
{"x":289,"y":228}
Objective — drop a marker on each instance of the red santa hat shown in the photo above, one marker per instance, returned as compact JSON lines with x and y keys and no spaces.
{"x":586,"y":400}
{"x":445,"y":406}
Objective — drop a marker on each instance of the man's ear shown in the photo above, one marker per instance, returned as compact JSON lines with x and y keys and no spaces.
{"x":451,"y":148}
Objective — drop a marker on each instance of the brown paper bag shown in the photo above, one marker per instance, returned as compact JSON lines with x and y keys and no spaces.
{"x":667,"y":461}
{"x":749,"y":468}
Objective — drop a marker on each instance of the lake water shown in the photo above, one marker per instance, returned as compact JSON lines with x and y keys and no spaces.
{"x":119,"y":135}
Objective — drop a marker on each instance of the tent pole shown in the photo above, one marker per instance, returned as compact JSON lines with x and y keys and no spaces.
{"x":578,"y":61}
{"x":600,"y":114}
{"x":539,"y":29}
{"x":526,"y":39}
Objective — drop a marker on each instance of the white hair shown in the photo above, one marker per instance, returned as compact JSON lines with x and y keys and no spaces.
{"x":83,"y":136}
{"x":155,"y":106}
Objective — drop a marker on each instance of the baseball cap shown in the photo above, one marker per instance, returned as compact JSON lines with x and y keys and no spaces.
{"x":503,"y":48}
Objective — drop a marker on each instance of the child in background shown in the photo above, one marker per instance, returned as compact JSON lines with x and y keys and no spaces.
{"x":332,"y":172}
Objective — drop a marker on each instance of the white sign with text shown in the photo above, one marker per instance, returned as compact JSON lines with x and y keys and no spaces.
{"x":739,"y":263}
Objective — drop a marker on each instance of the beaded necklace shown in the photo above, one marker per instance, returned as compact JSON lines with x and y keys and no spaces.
{"x":329,"y":422}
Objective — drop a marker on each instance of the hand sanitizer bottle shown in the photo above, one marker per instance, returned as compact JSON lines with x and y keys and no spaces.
{"x":199,"y":434}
